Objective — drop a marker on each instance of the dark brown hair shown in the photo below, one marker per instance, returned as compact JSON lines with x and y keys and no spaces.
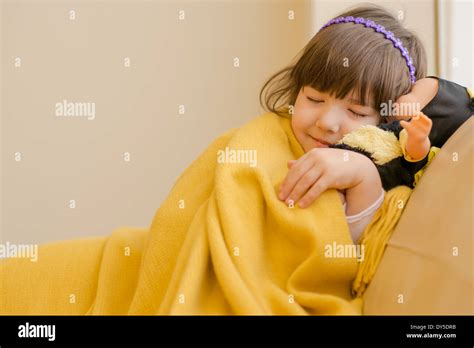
{"x":375,"y":69}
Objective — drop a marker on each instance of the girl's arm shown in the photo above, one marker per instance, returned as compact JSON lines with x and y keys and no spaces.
{"x":420,"y":95}
{"x":324,"y":168}
{"x":367,"y":188}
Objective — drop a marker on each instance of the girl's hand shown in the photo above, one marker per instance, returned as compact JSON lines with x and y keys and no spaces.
{"x":323,"y":168}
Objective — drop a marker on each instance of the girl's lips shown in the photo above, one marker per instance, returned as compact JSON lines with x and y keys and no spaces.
{"x":320,"y":143}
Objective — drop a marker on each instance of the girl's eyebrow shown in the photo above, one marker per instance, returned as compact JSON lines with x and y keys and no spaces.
{"x":359,"y":102}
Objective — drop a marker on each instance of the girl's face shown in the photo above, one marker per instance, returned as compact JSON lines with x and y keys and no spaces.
{"x":320,"y":119}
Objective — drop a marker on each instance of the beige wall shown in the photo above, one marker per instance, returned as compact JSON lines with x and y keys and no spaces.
{"x":172,"y":62}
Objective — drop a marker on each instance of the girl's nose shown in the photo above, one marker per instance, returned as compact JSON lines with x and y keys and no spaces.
{"x":328,"y":122}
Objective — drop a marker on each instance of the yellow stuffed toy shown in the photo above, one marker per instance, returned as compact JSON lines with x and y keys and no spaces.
{"x":401,"y":151}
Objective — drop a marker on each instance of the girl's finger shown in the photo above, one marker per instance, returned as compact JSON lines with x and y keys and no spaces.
{"x":297,"y":170}
{"x":299,"y":160}
{"x":304,"y":184}
{"x":321,"y":185}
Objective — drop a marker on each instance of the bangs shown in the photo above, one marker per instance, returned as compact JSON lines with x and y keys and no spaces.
{"x":349,"y":59}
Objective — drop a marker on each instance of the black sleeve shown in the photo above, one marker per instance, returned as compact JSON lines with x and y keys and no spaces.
{"x":448,"y":110}
{"x":399,"y":172}
{"x":393,"y":127}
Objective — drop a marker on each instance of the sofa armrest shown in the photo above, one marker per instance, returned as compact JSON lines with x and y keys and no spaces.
{"x":427,"y":267}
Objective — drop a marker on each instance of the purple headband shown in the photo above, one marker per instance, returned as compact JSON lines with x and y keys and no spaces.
{"x":379,"y":29}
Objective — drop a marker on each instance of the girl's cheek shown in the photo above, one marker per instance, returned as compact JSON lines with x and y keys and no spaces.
{"x":306,"y":122}
{"x":298,"y":126}
{"x":295,"y":120}
{"x":347,"y":128}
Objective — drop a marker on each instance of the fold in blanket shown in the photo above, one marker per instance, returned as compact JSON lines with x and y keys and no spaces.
{"x":221,"y":243}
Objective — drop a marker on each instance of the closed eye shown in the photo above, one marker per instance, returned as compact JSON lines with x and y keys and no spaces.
{"x":356,"y":114}
{"x":315,"y":101}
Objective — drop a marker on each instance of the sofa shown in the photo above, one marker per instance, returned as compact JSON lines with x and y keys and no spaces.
{"x":427,"y":267}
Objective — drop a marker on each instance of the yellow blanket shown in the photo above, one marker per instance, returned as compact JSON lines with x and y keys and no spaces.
{"x":221,"y":243}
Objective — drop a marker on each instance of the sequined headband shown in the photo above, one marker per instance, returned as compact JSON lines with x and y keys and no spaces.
{"x":379,"y":29}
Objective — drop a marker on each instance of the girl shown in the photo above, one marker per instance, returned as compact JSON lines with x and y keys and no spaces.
{"x":345,"y":74}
